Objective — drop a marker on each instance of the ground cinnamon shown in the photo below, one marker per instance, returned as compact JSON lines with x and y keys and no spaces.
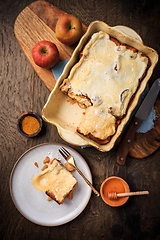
{"x":30,"y":125}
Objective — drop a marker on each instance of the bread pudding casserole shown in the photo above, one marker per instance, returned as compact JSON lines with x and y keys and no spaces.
{"x":105,"y":78}
{"x":104,"y":82}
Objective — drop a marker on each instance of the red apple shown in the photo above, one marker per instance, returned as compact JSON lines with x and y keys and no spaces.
{"x":68,"y":29}
{"x":45,"y":54}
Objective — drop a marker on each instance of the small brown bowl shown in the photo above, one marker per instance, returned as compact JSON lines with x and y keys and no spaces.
{"x":22,"y":117}
{"x":114,"y":184}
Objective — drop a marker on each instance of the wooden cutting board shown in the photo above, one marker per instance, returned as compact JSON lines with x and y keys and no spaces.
{"x":145,"y":144}
{"x":37,"y":22}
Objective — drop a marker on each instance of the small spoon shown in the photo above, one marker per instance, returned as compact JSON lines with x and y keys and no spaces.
{"x":114,"y":195}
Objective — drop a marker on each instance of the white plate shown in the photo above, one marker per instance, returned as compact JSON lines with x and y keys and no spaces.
{"x":33,"y":204}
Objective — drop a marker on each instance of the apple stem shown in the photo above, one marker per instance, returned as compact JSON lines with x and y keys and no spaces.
{"x":43,"y":51}
{"x":70,"y":27}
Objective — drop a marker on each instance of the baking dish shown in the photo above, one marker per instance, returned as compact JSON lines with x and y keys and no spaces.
{"x":66,"y":116}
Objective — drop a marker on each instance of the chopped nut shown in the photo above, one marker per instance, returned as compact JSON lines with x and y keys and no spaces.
{"x":52,"y":160}
{"x":36,"y":164}
{"x":46,"y":160}
{"x":49,"y":199}
{"x":44,"y":167}
{"x":69,"y":167}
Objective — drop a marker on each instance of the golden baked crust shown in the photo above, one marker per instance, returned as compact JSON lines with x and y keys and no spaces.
{"x":55,"y":181}
{"x":103,"y":82}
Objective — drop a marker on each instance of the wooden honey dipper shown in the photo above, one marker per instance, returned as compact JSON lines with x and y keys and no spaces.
{"x":114,"y":195}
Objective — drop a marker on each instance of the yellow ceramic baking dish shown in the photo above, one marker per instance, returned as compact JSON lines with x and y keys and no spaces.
{"x":66,"y":116}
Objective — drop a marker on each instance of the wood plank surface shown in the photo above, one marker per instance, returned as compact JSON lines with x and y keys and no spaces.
{"x":23,"y":90}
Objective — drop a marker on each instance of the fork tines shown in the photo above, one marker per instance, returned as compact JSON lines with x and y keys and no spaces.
{"x":64,"y":152}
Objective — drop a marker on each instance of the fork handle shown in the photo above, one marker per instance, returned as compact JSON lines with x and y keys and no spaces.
{"x":94,"y":190}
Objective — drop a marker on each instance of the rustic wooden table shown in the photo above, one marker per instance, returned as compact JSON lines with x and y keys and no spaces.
{"x":23,"y":90}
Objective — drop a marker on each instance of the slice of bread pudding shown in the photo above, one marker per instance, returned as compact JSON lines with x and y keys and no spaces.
{"x":55,"y":181}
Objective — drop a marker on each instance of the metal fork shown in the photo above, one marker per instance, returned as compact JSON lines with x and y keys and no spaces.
{"x":69,"y":158}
